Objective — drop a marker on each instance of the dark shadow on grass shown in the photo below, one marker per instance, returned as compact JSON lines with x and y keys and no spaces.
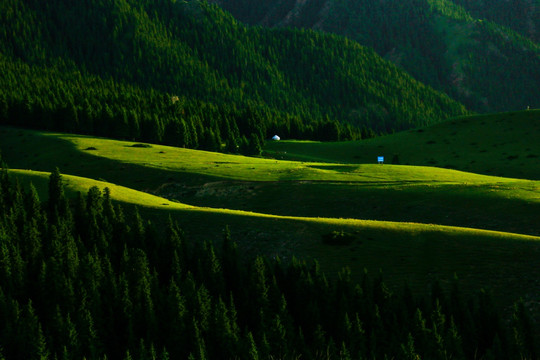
{"x":55,"y":151}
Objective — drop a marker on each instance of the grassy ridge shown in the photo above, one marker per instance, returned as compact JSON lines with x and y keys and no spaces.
{"x":63,"y":150}
{"x":222,"y":166}
{"x":368,"y":191}
{"x":75,"y":184}
{"x":503,"y":144}
{"x":416,"y":253}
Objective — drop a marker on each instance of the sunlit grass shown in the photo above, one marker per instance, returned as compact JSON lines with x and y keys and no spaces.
{"x":259,"y":169}
{"x":76,"y":184}
{"x":503,"y":144}
{"x":396,"y":193}
{"x":405,"y":252}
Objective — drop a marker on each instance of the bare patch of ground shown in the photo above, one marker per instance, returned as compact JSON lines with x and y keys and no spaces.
{"x":219,"y":189}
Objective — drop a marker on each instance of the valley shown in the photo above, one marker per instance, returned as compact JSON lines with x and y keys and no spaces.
{"x":270,"y":179}
{"x":448,"y":222}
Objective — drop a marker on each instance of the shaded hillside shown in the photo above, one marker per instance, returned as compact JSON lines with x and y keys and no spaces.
{"x":188,"y":74}
{"x":484,"y":64}
{"x":522,"y":16}
{"x":81,"y":279}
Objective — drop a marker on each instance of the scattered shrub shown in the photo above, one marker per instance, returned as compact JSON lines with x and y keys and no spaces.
{"x":141,"y":145}
{"x":338,"y":238}
{"x":90,"y":148}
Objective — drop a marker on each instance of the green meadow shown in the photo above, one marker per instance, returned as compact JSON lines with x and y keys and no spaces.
{"x":420,"y":194}
{"x":504,"y":144}
{"x":416,"y":222}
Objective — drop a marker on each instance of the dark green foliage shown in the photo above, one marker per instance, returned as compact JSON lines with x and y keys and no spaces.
{"x":338,"y":238}
{"x":523,"y":333}
{"x":187,"y":74}
{"x":522,"y":16}
{"x":484,"y":54}
{"x":95,"y":285}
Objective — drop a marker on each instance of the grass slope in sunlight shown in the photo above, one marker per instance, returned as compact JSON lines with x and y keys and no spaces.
{"x":504,"y":144}
{"x":74,"y":152}
{"x":285,"y":208}
{"x":368,"y":191}
{"x":405,"y":252}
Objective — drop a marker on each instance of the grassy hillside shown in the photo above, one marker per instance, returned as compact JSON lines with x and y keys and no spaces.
{"x":368,"y":191}
{"x":503,"y":144}
{"x":395,"y":218}
{"x":405,"y":252}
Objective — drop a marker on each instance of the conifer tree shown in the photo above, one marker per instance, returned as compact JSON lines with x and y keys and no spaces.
{"x":56,"y":191}
{"x":253,"y":354}
{"x":523,"y":332}
{"x":32,"y":343}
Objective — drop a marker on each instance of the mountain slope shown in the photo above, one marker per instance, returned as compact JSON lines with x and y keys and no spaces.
{"x":188,"y":74}
{"x":483,"y":64}
{"x":522,"y":16}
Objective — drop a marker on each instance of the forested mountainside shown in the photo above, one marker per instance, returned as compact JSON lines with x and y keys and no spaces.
{"x":86,"y":278}
{"x":188,"y":74}
{"x":484,"y":54}
{"x":522,"y":16}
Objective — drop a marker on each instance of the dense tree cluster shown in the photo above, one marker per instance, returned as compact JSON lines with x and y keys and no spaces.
{"x":188,"y":74}
{"x":80,"y":279}
{"x":522,"y":16}
{"x":481,"y":63}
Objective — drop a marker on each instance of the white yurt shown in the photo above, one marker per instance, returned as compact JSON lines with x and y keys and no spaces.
{"x":276,"y":138}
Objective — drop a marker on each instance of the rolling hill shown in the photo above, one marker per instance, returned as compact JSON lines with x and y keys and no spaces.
{"x":414,"y":223}
{"x":364,"y":191}
{"x":286,"y":206}
{"x":112,"y":273}
{"x":504,"y":144}
{"x":128,"y":254}
{"x":405,"y":252}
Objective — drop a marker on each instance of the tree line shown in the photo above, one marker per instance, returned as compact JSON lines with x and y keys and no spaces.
{"x":83,"y":277}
